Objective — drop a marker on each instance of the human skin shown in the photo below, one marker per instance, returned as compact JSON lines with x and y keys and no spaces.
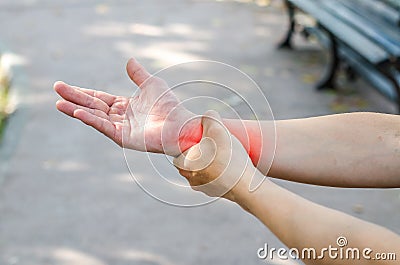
{"x":297,"y":222}
{"x":350,"y":150}
{"x":347,"y":150}
{"x":151,"y":121}
{"x":359,"y":150}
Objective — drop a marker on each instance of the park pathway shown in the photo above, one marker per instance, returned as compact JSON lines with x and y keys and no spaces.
{"x":66,"y":195}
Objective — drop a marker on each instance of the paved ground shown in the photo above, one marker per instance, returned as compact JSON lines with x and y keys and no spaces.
{"x":66,"y":196}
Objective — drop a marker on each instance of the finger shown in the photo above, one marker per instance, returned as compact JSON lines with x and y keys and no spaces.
{"x":69,"y":108}
{"x":76,"y":96}
{"x":191,"y":177}
{"x":198,"y":157}
{"x":137,"y":73}
{"x":179,"y":162}
{"x":186,"y":174}
{"x":186,"y":160}
{"x":214,"y":128}
{"x":107,"y":98}
{"x":102,"y":125}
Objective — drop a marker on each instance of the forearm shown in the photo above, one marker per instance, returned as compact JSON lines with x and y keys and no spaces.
{"x":347,"y":150}
{"x":256,"y":138}
{"x":300,"y":224}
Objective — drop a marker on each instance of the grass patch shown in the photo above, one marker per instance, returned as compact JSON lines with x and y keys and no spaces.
{"x":4,"y":89}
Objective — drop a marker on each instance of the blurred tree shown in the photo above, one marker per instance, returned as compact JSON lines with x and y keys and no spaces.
{"x":4,"y":88}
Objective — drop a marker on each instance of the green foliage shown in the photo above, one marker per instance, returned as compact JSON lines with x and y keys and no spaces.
{"x":4,"y":88}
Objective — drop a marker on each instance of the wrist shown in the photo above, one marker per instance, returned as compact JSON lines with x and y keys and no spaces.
{"x":244,"y":194}
{"x":249,"y":133}
{"x":241,"y":190}
{"x":190,"y":134}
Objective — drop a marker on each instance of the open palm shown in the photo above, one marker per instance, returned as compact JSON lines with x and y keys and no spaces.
{"x":152,"y":120}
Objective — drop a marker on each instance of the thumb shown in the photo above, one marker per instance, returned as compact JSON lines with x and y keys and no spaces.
{"x":209,"y":118}
{"x":214,"y":128}
{"x":179,"y":161}
{"x":137,"y":73}
{"x":198,"y":157}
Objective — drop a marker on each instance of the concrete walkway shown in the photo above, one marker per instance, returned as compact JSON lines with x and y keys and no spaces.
{"x":66,"y":196}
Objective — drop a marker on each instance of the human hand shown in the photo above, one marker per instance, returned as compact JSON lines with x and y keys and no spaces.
{"x":152,"y":121}
{"x":218,"y":165}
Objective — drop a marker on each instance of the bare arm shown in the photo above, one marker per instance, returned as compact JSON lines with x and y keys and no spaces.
{"x":345,"y":150}
{"x":348,"y":150}
{"x":302,"y":224}
{"x":297,"y":222}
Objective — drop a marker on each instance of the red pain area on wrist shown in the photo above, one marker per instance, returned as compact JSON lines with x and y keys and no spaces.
{"x":255,"y":145}
{"x":254,"y":154}
{"x":250,"y":136}
{"x":190,"y":135}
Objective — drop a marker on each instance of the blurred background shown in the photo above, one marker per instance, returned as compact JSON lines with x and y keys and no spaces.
{"x":66,"y":195}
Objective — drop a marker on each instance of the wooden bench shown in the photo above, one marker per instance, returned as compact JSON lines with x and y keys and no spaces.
{"x":364,"y":35}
